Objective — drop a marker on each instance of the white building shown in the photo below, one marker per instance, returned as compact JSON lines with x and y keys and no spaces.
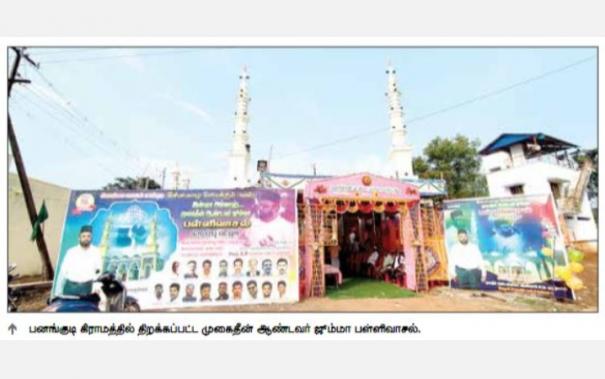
{"x":533,"y":164}
{"x":400,"y":155}
{"x":239,"y":157}
{"x":398,"y":164}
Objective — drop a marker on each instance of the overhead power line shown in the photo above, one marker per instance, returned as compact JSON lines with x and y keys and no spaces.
{"x":449,"y":108}
{"x":63,"y":120}
{"x":88,"y":123}
{"x":73,"y":144}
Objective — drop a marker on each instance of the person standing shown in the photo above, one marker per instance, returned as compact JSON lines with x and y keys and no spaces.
{"x":81,"y":266}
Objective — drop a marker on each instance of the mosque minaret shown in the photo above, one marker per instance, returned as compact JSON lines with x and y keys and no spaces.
{"x":239,"y":157}
{"x":400,"y":155}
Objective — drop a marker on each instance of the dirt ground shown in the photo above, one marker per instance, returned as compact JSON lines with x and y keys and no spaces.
{"x":440,"y":299}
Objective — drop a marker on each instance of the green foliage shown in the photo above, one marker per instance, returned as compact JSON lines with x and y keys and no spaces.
{"x":129,"y":183}
{"x":456,"y":161}
{"x":357,"y":288}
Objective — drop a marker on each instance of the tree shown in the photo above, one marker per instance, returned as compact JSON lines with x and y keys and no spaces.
{"x":456,"y":161}
{"x":129,"y":183}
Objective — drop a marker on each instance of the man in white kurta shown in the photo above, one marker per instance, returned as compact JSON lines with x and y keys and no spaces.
{"x":466,"y":262}
{"x":81,"y":266}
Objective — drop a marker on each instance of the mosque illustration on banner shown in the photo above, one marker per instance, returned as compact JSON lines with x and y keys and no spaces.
{"x":137,"y":239}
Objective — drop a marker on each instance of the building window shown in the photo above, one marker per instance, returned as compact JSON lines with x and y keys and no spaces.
{"x":516,"y":190}
{"x":555,"y":188}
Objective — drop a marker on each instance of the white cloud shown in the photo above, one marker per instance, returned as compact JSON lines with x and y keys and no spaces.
{"x":190,"y":107}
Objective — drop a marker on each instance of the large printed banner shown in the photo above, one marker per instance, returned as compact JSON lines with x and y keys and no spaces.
{"x":188,"y":248}
{"x":511,"y":243}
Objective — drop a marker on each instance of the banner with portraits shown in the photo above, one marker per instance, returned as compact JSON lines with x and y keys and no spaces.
{"x":186,"y":248}
{"x":511,"y":243}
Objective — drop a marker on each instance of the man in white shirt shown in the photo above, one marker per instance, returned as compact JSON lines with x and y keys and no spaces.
{"x":466,"y":262}
{"x":387,"y":264}
{"x":267,"y":228}
{"x":353,"y":242}
{"x":81,"y":266}
{"x":399,"y":265}
{"x":371,"y":262}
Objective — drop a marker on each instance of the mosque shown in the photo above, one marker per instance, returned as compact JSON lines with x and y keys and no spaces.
{"x":399,"y":161}
{"x":398,"y":212}
{"x":394,"y":213}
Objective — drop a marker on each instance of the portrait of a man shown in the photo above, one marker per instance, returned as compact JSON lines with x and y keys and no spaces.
{"x":174,"y":292}
{"x":81,"y":266}
{"x":466,"y":262}
{"x":191,"y":270}
{"x":205,"y":292}
{"x":252,"y":289}
{"x":267,"y":288}
{"x":222,"y":292}
{"x":189,"y":296}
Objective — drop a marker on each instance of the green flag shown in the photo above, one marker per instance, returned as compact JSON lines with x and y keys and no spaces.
{"x":42,"y":216}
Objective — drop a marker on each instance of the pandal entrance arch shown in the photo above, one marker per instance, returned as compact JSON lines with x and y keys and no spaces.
{"x":324,"y":200}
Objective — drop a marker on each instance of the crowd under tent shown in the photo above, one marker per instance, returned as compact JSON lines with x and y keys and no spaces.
{"x":383,"y":212}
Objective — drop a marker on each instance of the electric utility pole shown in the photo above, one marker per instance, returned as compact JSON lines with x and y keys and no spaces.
{"x":47,"y":268}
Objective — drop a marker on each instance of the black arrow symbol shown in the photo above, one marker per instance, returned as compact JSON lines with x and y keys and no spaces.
{"x":12,"y":328}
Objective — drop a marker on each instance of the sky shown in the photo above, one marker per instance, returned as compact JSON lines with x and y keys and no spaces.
{"x":93,"y":114}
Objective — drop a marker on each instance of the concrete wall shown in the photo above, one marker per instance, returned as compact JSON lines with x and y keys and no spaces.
{"x":21,"y":250}
{"x":535,"y":177}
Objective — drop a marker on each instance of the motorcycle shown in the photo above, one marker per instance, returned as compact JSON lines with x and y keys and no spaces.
{"x":117,"y":299}
{"x":12,"y":293}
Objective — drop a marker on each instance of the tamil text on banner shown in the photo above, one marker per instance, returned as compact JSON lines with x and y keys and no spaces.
{"x":190,"y":248}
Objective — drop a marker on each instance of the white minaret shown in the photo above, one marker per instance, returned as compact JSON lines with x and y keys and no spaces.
{"x":239,"y":158}
{"x":400,"y":156}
